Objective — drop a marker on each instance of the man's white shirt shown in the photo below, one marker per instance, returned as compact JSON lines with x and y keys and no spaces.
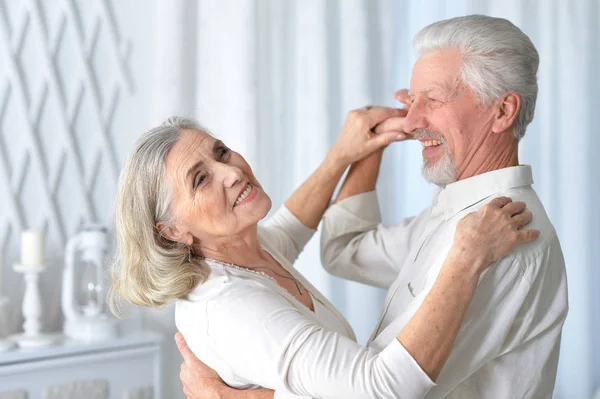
{"x":509,"y":343}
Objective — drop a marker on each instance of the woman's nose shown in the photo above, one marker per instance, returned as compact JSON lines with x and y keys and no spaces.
{"x":229,"y":174}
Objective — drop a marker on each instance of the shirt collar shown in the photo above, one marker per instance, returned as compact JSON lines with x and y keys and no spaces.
{"x":465,"y":193}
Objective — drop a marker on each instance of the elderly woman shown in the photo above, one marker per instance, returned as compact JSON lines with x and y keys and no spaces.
{"x":187,"y":219}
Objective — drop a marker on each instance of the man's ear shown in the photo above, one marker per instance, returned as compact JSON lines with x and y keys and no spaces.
{"x":507,"y":110}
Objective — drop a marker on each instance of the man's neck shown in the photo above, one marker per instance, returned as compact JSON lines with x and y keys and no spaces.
{"x":504,"y":154}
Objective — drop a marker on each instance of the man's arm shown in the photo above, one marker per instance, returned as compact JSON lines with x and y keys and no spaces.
{"x":362,"y":177}
{"x":354,"y":243}
{"x":341,"y":252}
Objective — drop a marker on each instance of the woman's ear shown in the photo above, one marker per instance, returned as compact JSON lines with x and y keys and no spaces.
{"x":507,"y":111}
{"x":170,"y":232}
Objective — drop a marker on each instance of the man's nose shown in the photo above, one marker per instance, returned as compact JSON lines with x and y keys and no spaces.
{"x":415,"y":119}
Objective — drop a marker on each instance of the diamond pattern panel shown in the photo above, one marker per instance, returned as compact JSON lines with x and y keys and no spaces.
{"x":64,"y":71}
{"x":63,"y":65}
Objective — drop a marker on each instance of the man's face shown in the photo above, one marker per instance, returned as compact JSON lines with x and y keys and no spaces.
{"x":445,"y":117}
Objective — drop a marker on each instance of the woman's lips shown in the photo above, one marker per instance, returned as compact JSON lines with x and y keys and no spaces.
{"x":250,"y":196}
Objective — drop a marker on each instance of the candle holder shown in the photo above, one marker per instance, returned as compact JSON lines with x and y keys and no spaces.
{"x":32,"y":309}
{"x":5,"y":343}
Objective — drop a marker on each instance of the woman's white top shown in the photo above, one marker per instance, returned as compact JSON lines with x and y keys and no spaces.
{"x":256,"y":334}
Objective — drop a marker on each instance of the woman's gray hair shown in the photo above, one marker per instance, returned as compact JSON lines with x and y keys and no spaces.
{"x":150,"y":270}
{"x":497,"y":58}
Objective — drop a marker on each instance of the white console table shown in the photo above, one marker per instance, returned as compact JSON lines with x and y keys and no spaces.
{"x":125,"y":368}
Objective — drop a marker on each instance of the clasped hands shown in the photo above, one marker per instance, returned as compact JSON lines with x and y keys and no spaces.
{"x":369,"y":129}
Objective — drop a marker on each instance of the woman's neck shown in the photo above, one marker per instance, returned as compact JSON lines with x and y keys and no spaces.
{"x":242,"y":249}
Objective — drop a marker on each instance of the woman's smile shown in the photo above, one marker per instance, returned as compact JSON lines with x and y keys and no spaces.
{"x":247,"y":195}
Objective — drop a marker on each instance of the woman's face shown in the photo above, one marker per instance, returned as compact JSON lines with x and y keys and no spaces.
{"x":214,"y":192}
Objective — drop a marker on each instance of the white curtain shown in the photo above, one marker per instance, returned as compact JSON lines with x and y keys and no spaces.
{"x":274,"y":79}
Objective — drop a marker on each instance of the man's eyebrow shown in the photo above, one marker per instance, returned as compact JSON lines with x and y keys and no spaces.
{"x":431,"y":88}
{"x":425,"y":90}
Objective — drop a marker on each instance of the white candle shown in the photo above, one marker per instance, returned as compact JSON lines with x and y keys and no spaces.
{"x":32,"y":248}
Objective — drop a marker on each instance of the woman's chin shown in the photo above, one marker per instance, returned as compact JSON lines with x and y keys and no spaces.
{"x":258,"y":205}
{"x":263,"y":205}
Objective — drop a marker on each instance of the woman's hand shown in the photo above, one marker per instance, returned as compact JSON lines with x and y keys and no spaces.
{"x":486,"y":236}
{"x":358,"y":138}
{"x":403,"y":98}
{"x":396,"y":124}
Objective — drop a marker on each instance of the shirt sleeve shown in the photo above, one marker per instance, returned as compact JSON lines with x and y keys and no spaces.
{"x":355,"y":245}
{"x":269,"y":343}
{"x":286,"y":233}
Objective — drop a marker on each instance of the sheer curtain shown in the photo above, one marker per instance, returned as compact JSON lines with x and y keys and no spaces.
{"x":274,"y":79}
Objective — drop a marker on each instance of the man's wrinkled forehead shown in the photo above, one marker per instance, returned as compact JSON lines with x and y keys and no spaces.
{"x":426,"y":90}
{"x":436,"y":70}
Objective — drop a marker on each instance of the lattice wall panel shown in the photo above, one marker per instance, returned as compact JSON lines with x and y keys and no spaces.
{"x":64,"y":69}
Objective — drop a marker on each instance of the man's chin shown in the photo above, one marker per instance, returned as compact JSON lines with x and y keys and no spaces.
{"x":429,"y":162}
{"x":437,"y":175}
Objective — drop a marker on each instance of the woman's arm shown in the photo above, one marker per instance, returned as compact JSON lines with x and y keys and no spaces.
{"x":481,"y":239}
{"x":431,"y":332}
{"x":427,"y":337}
{"x":311,"y":199}
{"x":355,"y":142}
{"x":290,"y":228}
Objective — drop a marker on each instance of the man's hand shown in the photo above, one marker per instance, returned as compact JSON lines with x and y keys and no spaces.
{"x":202,"y":382}
{"x":199,"y":380}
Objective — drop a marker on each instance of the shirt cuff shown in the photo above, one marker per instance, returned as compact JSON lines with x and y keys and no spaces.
{"x":357,"y":213}
{"x":364,"y":205}
{"x":285,"y":219}
{"x":397,"y":359}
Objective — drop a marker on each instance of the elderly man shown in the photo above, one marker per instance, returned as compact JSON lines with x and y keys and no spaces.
{"x":472,"y":94}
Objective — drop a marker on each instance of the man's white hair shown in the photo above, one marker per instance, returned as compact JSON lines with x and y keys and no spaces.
{"x":497,"y":58}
